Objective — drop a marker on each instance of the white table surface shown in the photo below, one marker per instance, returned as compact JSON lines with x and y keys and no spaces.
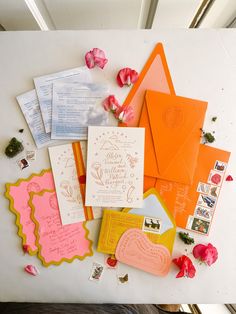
{"x":203,"y":66}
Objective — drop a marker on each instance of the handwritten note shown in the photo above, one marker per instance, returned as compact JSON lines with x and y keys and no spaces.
{"x":18,"y":194}
{"x":115,"y":167}
{"x":57,"y":243}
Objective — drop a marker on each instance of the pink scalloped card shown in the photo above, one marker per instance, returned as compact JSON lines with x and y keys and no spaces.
{"x":57,"y":243}
{"x":18,"y":195}
{"x":135,"y":249}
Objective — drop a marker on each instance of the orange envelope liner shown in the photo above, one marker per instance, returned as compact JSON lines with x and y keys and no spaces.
{"x":193,"y":207}
{"x":172,"y":135}
{"x":155,"y":76}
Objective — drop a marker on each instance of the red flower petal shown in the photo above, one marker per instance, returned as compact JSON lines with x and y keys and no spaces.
{"x":229,"y":178}
{"x":126,"y":76}
{"x":95,"y":57}
{"x":26,"y":248}
{"x":205,"y":253}
{"x":186,"y":267}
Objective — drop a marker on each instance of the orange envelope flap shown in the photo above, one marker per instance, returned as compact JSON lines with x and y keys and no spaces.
{"x":155,"y":76}
{"x":174,"y":127}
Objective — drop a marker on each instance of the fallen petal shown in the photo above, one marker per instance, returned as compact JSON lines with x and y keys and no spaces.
{"x":89,"y":59}
{"x":186,"y":267}
{"x":229,"y":178}
{"x":126,"y":76}
{"x":95,"y":57}
{"x":26,"y":248}
{"x":32,"y":270}
{"x":205,"y":253}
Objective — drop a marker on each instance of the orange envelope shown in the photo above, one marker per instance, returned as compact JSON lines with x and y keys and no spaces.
{"x":172,"y":135}
{"x":193,"y":207}
{"x":155,"y":76}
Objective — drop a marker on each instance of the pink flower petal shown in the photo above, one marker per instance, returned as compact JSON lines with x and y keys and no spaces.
{"x":205,"y":253}
{"x":32,"y":270}
{"x":26,"y":248}
{"x":229,"y":178}
{"x":125,"y":114}
{"x":126,"y":76}
{"x":95,"y":57}
{"x":89,"y":59}
{"x":186,"y":267}
{"x":111,"y":104}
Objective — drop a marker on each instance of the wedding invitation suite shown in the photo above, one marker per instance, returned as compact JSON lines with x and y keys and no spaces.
{"x":115,"y":167}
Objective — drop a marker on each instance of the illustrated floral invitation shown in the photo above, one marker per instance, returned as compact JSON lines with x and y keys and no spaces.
{"x":68,"y":165}
{"x":115,"y":167}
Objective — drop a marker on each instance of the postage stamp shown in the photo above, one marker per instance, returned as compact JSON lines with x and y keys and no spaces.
{"x":97,"y":271}
{"x":151,"y":224}
{"x":215,"y":177}
{"x":198,"y":225}
{"x":121,"y":279}
{"x":23,"y":163}
{"x":214,"y":191}
{"x":203,"y":188}
{"x":206,"y":200}
{"x":203,"y":212}
{"x":220,"y":166}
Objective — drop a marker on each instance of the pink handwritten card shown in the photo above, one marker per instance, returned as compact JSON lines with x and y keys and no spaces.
{"x":115,"y":167}
{"x":57,"y":243}
{"x":18,"y":195}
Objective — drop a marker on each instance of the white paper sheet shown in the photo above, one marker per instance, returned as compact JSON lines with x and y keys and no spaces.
{"x":115,"y":159}
{"x":67,"y":185}
{"x":30,"y":107}
{"x":44,"y":85}
{"x":75,"y":107}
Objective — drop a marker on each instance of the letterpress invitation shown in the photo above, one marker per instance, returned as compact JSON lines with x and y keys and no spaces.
{"x":115,"y":167}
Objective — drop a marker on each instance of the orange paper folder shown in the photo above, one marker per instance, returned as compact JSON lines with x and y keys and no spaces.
{"x":193,"y":207}
{"x":172,"y":135}
{"x":155,"y":76}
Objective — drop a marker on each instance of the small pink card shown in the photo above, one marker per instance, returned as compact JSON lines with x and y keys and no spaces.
{"x":18,"y":195}
{"x":57,"y":243}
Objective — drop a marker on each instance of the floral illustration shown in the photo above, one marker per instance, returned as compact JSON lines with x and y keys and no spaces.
{"x":67,"y":191}
{"x":132,"y":160}
{"x":97,"y":173}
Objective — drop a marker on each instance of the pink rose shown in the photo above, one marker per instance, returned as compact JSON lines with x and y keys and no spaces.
{"x":205,"y":253}
{"x":95,"y":57}
{"x":186,"y":267}
{"x":111,"y":104}
{"x":126,"y":76}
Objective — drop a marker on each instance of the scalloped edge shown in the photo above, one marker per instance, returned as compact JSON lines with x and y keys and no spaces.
{"x":14,"y":210}
{"x":36,"y":232}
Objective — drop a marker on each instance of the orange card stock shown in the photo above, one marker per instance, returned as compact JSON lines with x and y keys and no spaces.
{"x":193,"y":206}
{"x":172,"y":135}
{"x":155,"y":76}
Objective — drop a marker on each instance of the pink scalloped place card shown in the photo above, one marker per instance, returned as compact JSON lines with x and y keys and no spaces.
{"x":135,"y":249}
{"x":57,"y":243}
{"x":18,"y":195}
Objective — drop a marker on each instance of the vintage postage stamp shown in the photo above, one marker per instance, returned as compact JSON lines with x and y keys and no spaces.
{"x":206,"y":200}
{"x":97,"y":271}
{"x":220,"y":166}
{"x":215,"y":177}
{"x":214,"y":191}
{"x":151,"y":224}
{"x":198,"y":225}
{"x":203,"y":188}
{"x":124,"y":278}
{"x":203,"y":212}
{"x":23,"y":163}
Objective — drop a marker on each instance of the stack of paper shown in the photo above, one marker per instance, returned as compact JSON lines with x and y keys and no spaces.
{"x":63,"y":105}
